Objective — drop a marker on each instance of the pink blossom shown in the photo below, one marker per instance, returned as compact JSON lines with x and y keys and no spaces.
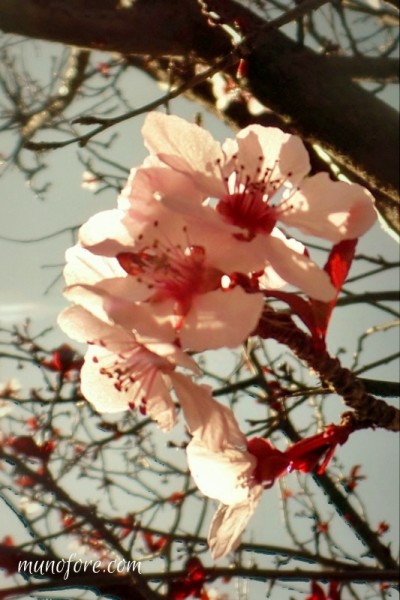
{"x":287,"y":259}
{"x":97,"y":283}
{"x":122,"y":372}
{"x":247,"y":175}
{"x":173,"y":267}
{"x":258,"y":180}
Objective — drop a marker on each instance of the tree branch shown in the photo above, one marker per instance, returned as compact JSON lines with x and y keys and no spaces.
{"x":369,"y":411}
{"x":367,"y":68}
{"x":155,"y":27}
{"x":70,"y":83}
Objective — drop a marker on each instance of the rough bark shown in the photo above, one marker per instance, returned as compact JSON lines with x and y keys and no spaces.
{"x":155,"y":27}
{"x":360,"y":133}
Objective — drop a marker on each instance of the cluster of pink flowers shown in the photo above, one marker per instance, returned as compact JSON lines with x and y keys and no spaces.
{"x":182,"y":265}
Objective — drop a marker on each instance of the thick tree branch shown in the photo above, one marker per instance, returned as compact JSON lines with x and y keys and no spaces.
{"x":367,"y":68}
{"x":155,"y":27}
{"x":358,"y":131}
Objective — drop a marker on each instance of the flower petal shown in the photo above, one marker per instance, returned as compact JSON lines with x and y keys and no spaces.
{"x":100,"y":391}
{"x":229,"y":522}
{"x":212,"y":424}
{"x":160,"y":181}
{"x":159,"y":405}
{"x":82,"y":326}
{"x":150,"y":390}
{"x":268,"y":149}
{"x":299,"y":270}
{"x":84,"y":266}
{"x":221,"y":319}
{"x":105,"y":232}
{"x":223,"y":475}
{"x":185,"y":147}
{"x":217,"y":457}
{"x":333,"y":210}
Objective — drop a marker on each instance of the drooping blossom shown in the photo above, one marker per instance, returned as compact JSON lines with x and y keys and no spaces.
{"x":220,"y":465}
{"x":227,"y":467}
{"x":216,"y":443}
{"x":176,"y":270}
{"x":257,"y":181}
{"x":121,"y":371}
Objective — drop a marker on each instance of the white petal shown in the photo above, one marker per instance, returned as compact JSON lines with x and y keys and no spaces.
{"x":224,"y":475}
{"x":160,"y":181}
{"x":185,"y":147}
{"x":104,"y":231}
{"x":159,"y":405}
{"x":211,"y":423}
{"x":269,"y":148}
{"x":99,"y":389}
{"x":221,"y":319}
{"x":229,"y":522}
{"x":82,"y":266}
{"x":81,"y":325}
{"x":332,"y":210}
{"x":298,"y":270}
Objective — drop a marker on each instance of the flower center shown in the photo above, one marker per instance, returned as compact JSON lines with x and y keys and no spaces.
{"x":172,"y":272}
{"x":253,"y":203}
{"x":249,"y":211}
{"x":131,"y":371}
